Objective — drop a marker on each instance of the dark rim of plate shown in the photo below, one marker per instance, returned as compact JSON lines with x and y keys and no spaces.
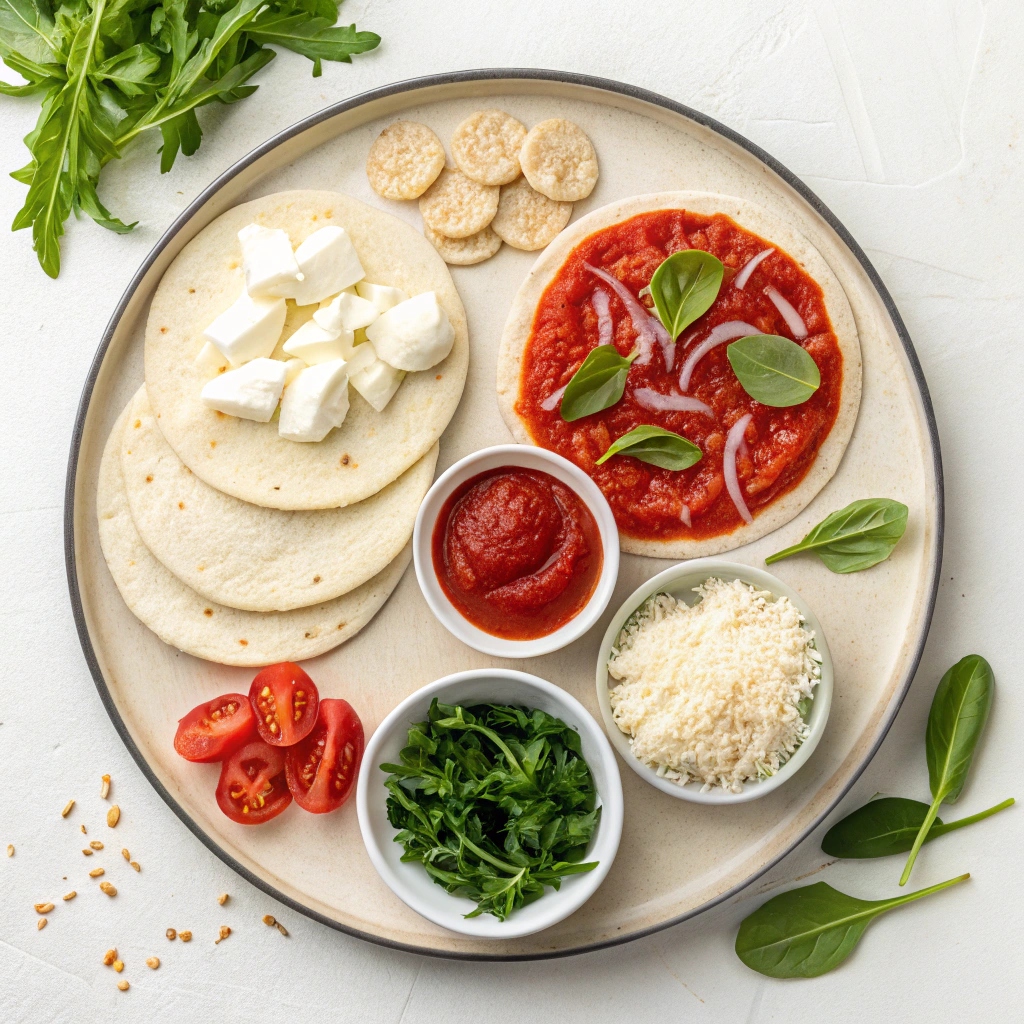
{"x":511,"y":75}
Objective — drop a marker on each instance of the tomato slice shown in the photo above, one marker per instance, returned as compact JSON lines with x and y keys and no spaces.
{"x":285,"y":700}
{"x":252,"y":787}
{"x":321,"y":770}
{"x":211,"y":731}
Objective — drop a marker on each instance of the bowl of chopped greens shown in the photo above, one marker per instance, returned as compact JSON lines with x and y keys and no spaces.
{"x":490,"y":803}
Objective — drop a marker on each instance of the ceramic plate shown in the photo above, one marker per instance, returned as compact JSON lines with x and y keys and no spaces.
{"x":876,"y":621}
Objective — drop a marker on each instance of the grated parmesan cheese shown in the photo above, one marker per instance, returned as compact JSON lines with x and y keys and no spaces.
{"x":711,"y":693}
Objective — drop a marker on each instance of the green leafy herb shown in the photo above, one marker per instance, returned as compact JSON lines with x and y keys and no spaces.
{"x":890,"y":825}
{"x":806,"y":932}
{"x":683,"y":288}
{"x":495,"y":802}
{"x":598,"y":384}
{"x":955,"y":722}
{"x":109,"y":70}
{"x":657,"y":446}
{"x":854,"y":538}
{"x":774,"y":370}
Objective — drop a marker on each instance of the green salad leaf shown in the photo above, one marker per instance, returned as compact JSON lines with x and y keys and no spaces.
{"x":657,"y":446}
{"x":774,"y":370}
{"x":598,"y":383}
{"x":684,"y":287}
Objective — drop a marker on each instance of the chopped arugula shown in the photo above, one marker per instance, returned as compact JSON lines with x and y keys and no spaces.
{"x":109,"y":70}
{"x":496,"y":802}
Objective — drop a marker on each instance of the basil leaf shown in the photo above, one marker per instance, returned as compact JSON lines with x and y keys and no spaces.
{"x":774,"y":370}
{"x":657,"y":446}
{"x":683,"y":288}
{"x":598,"y":383}
{"x":955,"y":722}
{"x":854,"y":538}
{"x":889,"y":825}
{"x":808,"y":931}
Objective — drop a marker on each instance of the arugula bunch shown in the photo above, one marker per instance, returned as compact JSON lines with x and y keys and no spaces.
{"x":109,"y":70}
{"x":496,"y":802}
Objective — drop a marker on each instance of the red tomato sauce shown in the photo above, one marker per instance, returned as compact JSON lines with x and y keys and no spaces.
{"x":517,"y":552}
{"x":780,"y":444}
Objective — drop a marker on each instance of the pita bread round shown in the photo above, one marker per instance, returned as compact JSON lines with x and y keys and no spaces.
{"x":197,"y":626}
{"x":758,"y":220}
{"x":249,"y":460}
{"x":255,"y":558}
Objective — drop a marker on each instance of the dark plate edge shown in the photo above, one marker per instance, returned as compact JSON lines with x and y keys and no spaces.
{"x":606,"y":85}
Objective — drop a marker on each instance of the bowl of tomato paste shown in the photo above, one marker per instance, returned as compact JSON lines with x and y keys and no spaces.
{"x":516,"y":551}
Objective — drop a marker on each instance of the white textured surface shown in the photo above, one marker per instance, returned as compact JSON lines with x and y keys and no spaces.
{"x":905,"y":118}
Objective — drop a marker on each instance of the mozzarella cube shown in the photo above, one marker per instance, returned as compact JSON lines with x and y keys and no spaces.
{"x":248,"y":329}
{"x":312,"y":344}
{"x":315,"y":403}
{"x":414,"y":335}
{"x":346,"y":312}
{"x":251,"y":392}
{"x":211,"y":360}
{"x":360,"y":358}
{"x":377,"y":383}
{"x":381,"y":295}
{"x":292,"y":368}
{"x":328,"y":262}
{"x":268,"y":261}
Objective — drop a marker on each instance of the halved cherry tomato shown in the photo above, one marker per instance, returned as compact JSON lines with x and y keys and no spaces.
{"x":252,"y":788}
{"x":211,"y":731}
{"x":285,"y":700}
{"x":322,"y":769}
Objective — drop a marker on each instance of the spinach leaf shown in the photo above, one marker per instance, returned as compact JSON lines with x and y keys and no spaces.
{"x":598,"y":383}
{"x":684,"y":287}
{"x":774,"y":370}
{"x":957,"y":717}
{"x":854,"y":538}
{"x":657,"y":446}
{"x":889,"y":825}
{"x":495,"y":801}
{"x":808,"y":931}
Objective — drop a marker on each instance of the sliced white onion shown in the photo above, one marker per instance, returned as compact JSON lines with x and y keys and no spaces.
{"x":684,"y":515}
{"x":648,"y":329}
{"x":719,"y":336}
{"x":605,"y":327}
{"x":553,"y":399}
{"x":732,"y":480}
{"x":749,"y":267}
{"x":655,"y":400}
{"x":793,"y":319}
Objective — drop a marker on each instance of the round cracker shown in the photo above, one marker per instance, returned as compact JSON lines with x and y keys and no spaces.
{"x":250,"y":460}
{"x":485,"y":147}
{"x":559,"y":160}
{"x":519,"y":327}
{"x":457,"y":206}
{"x":197,"y":626}
{"x":254,"y":558}
{"x":404,"y":160}
{"x":463,"y":252}
{"x":526,"y":219}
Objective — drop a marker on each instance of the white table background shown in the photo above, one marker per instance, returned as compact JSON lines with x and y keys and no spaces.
{"x":905,"y":116}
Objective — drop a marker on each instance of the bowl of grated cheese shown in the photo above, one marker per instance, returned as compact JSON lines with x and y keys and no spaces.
{"x":714,"y":681}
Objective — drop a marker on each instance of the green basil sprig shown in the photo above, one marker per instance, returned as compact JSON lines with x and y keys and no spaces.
{"x":854,"y":538}
{"x":774,"y":370}
{"x":957,"y":717}
{"x":806,"y":932}
{"x":683,"y":288}
{"x":889,"y":825}
{"x":657,"y":446}
{"x":598,"y":384}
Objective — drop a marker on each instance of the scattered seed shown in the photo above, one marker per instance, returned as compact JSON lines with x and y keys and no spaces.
{"x":281,"y":928}
{"x":109,"y":957}
{"x":67,"y":808}
{"x":222,"y":898}
{"x":118,"y":966}
{"x":113,"y":816}
{"x":82,"y":827}
{"x":123,"y":985}
{"x":127,"y":856}
{"x":108,"y":888}
{"x":10,"y":849}
{"x":185,"y":936}
{"x":104,"y":786}
{"x":152,"y":962}
{"x":96,"y":872}
{"x":69,"y":896}
{"x":87,"y":851}
{"x":135,"y":865}
{"x":95,"y":845}
{"x":43,"y":908}
{"x":269,"y":919}
{"x":171,"y":934}
{"x":225,"y":931}
{"x":41,"y":924}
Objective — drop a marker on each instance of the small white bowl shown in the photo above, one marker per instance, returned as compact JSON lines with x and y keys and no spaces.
{"x":409,"y":882}
{"x":524,"y":457}
{"x":679,"y":581}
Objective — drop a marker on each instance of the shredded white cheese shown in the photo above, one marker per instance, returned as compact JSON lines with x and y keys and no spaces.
{"x":710,"y":693}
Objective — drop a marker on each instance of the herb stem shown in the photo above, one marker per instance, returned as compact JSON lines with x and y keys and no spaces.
{"x":952,"y":826}
{"x":484,"y":855}
{"x":922,"y":834}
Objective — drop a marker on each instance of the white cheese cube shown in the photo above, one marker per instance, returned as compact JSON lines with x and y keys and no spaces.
{"x":312,"y":344}
{"x":211,"y":361}
{"x":414,"y":335}
{"x":377,"y":383}
{"x":328,"y":262}
{"x":360,"y":358}
{"x":248,"y":329}
{"x":315,"y":403}
{"x":346,"y":312}
{"x":381,"y":295}
{"x":251,"y":392}
{"x":292,"y":368}
{"x":268,"y":261}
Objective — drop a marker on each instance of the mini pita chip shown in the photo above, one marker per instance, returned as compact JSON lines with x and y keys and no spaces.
{"x":404,"y":160}
{"x":526,"y":219}
{"x":457,"y":206}
{"x":486,"y":147}
{"x":559,"y":161}
{"x":463,"y":252}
